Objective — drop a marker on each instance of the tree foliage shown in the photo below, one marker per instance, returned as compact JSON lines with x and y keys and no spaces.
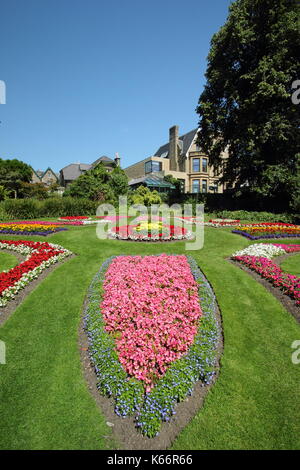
{"x":99,"y":185}
{"x":33,"y":190}
{"x":12,"y":174}
{"x":246,"y":104}
{"x":146,"y":197}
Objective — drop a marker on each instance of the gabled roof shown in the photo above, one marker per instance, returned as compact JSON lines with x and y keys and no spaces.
{"x":185,"y":141}
{"x":104,"y":159}
{"x":35,"y":172}
{"x":49,"y":169}
{"x":73,"y":171}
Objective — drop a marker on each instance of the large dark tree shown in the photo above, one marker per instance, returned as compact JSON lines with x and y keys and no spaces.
{"x":246,"y":105}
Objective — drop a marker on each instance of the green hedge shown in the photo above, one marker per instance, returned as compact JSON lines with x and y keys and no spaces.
{"x":52,"y":207}
{"x":255,"y":216}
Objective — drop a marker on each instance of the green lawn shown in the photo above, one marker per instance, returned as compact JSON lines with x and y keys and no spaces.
{"x":292,"y":265}
{"x":44,"y":400}
{"x":7,"y":261}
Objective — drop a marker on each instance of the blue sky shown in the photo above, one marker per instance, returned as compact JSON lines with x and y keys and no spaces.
{"x":91,"y":78}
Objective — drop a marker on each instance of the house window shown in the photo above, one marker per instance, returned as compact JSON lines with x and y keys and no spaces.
{"x":196,"y":186}
{"x":152,"y":166}
{"x":204,"y":186}
{"x":196,"y":165}
{"x":204,"y":165}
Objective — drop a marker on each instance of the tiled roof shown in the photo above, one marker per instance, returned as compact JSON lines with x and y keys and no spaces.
{"x":74,"y":170}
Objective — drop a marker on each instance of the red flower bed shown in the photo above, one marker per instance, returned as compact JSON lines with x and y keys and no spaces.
{"x":164,"y":232}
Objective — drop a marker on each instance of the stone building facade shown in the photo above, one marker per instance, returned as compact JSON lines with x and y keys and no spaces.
{"x":183,"y":159}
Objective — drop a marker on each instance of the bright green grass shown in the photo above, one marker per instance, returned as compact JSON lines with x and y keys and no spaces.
{"x":7,"y":261}
{"x":44,"y":400}
{"x":292,"y":265}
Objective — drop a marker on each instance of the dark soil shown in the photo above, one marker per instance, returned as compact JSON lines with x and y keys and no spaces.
{"x":11,"y":306}
{"x":124,"y":430}
{"x":288,"y":303}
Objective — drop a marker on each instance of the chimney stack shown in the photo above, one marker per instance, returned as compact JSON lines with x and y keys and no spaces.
{"x":173,"y":148}
{"x":117,"y":159}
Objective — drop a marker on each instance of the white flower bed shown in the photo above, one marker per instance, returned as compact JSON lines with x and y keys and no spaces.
{"x":261,"y":250}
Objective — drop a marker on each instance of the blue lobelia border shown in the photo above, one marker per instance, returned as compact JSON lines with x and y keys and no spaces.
{"x":261,"y":237}
{"x":43,"y":234}
{"x":199,"y":363}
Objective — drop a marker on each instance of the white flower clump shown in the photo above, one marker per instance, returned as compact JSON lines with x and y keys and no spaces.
{"x":10,"y":292}
{"x":261,"y":250}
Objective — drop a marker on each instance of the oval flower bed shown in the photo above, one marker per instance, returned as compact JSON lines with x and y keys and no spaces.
{"x":150,"y":336}
{"x":258,"y":258}
{"x":39,"y":256}
{"x":150,"y":231}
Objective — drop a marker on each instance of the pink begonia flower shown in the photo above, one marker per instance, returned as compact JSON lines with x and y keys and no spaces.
{"x":151,"y":305}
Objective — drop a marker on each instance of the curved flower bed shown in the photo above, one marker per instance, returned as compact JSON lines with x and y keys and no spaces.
{"x":258,"y":258}
{"x":39,"y":256}
{"x":155,"y":231}
{"x":155,"y":368}
{"x":29,"y":228}
{"x":268,"y":230}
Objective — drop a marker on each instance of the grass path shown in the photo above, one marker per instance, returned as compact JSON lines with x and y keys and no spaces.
{"x":7,"y":261}
{"x":44,"y":401}
{"x":292,"y":265}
